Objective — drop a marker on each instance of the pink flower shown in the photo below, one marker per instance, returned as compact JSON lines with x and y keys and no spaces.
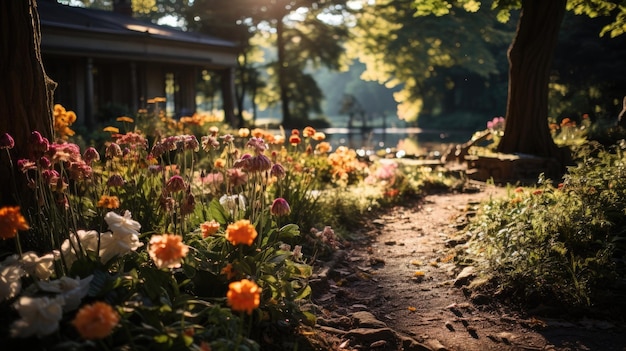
{"x":115,"y":180}
{"x":237,"y":177}
{"x":6,"y":141}
{"x":280,"y":207}
{"x":258,"y":144}
{"x":113,"y":150}
{"x":175,"y":184}
{"x":278,"y":171}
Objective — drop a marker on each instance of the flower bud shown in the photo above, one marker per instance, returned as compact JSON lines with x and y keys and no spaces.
{"x":280,"y":207}
{"x":6,"y":141}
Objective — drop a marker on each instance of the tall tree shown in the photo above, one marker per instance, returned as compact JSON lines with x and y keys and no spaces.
{"x":530,"y":58}
{"x":428,"y":57}
{"x":27,"y":97}
{"x":300,"y":34}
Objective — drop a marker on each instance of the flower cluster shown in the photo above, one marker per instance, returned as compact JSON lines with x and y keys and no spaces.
{"x":220,"y":215}
{"x":63,"y":119}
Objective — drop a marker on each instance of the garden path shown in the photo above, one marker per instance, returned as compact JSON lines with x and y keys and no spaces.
{"x":396,"y":287}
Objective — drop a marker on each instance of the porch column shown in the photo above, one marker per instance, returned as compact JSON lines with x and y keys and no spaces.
{"x":134,"y":87}
{"x":89,"y":93}
{"x":228,"y":96}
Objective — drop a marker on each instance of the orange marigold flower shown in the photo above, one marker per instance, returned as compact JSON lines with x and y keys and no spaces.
{"x":257,"y":132}
{"x":243,"y":296}
{"x":11,"y":220}
{"x":125,"y":119}
{"x":294,"y":139}
{"x":308,"y":132}
{"x":96,"y":321}
{"x":111,"y":129}
{"x":519,"y":189}
{"x":209,"y":228}
{"x":323,"y":147}
{"x":109,"y":202}
{"x":319,"y":136}
{"x":167,"y":250}
{"x":241,"y":232}
{"x":219,"y":163}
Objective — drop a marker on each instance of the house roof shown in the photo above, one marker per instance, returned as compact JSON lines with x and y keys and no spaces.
{"x":77,"y":31}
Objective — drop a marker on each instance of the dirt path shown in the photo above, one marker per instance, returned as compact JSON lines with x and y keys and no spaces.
{"x":397,"y":288}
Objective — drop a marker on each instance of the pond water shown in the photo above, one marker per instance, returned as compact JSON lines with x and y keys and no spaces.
{"x":409,"y":141}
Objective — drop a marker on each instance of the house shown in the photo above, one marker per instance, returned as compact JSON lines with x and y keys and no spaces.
{"x":107,"y":62}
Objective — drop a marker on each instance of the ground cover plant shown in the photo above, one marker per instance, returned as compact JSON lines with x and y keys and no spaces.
{"x":559,"y":243}
{"x":178,"y":234}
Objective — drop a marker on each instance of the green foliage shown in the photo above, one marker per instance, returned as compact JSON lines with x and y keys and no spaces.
{"x":430,"y":56}
{"x":559,"y":245}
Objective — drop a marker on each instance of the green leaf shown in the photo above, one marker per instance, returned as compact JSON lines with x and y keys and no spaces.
{"x":303,"y":293}
{"x":217,"y":212}
{"x":309,"y":318}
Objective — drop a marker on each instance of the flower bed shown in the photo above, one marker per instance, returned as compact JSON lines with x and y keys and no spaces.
{"x":158,"y":241}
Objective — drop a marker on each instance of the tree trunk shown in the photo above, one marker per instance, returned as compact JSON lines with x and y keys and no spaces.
{"x":530,"y":59}
{"x":282,"y":73}
{"x":26,"y":101}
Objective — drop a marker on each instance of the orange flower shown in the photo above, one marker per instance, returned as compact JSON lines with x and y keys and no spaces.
{"x":111,"y":129}
{"x":109,"y":202}
{"x":308,"y":132}
{"x":228,"y":271}
{"x":319,"y":136}
{"x":537,"y":192}
{"x":257,"y":132}
{"x":519,"y":189}
{"x":95,"y":321}
{"x":244,"y":296}
{"x":167,"y":250}
{"x":219,"y":163}
{"x":11,"y":220}
{"x":209,"y":228}
{"x":125,"y":119}
{"x":241,"y":232}
{"x":294,"y":139}
{"x":323,"y":147}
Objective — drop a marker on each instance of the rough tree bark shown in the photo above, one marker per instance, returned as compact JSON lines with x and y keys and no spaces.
{"x":530,"y":59}
{"x":26,"y":99}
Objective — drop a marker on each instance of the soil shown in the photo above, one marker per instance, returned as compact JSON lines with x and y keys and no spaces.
{"x":396,"y":286}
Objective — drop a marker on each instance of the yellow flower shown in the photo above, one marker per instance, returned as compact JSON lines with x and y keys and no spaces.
{"x":125,"y":119}
{"x":11,"y":220}
{"x":244,"y":296}
{"x":109,"y":202}
{"x":96,"y":321}
{"x":167,"y":250}
{"x":241,"y":232}
{"x":111,"y":129}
